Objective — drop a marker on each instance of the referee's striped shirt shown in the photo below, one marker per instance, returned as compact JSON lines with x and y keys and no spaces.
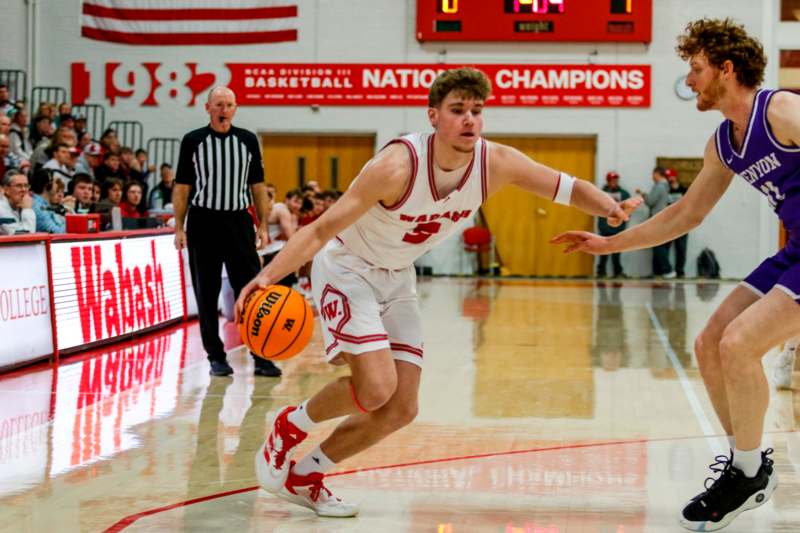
{"x":220,"y":167}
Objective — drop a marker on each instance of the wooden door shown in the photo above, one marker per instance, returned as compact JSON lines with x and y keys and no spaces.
{"x":332,"y":161}
{"x":523,"y":223}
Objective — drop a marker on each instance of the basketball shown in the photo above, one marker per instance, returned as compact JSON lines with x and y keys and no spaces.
{"x":276,"y":322}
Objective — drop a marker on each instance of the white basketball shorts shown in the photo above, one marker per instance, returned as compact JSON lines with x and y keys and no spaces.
{"x":364,"y":308}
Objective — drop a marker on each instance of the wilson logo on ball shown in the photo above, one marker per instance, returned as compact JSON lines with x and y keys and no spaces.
{"x":264,"y":309}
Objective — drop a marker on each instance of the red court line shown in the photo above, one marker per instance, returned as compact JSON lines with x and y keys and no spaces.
{"x":128,"y":520}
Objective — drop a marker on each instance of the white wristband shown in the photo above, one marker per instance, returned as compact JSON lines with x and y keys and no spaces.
{"x":563,"y":192}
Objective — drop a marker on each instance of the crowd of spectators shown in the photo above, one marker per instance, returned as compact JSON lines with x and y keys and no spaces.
{"x":51,"y":167}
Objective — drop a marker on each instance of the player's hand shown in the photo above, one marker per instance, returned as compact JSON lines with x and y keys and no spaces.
{"x":259,"y":282}
{"x":180,"y":239}
{"x":262,"y":237}
{"x":583,"y":241}
{"x":621,"y":213}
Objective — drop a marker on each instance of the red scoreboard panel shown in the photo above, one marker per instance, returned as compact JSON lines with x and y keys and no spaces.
{"x":535,"y":20}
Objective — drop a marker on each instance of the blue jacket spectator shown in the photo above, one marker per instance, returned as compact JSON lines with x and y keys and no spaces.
{"x":47,"y":220}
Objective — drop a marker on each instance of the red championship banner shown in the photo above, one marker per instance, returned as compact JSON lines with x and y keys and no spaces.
{"x":408,"y":84}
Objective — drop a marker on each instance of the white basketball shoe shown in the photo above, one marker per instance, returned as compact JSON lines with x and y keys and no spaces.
{"x":310,"y":491}
{"x":272,"y":459}
{"x":784,"y":367}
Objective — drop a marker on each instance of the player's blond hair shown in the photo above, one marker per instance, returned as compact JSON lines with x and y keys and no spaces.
{"x":467,"y":82}
{"x":725,"y":40}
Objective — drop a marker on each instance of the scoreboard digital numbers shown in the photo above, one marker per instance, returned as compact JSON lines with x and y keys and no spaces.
{"x":535,"y":20}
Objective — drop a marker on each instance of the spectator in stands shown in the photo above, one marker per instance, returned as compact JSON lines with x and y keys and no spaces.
{"x":18,"y":135}
{"x":9,"y":160}
{"x":66,"y":121}
{"x":84,"y":139}
{"x":313,"y":207}
{"x":61,"y":162}
{"x":130,"y":169}
{"x":47,"y":220}
{"x":47,"y":109}
{"x":109,"y":168}
{"x":127,"y":163}
{"x":97,"y":193}
{"x":89,"y":160}
{"x":6,"y":105}
{"x":145,"y":168}
{"x":109,"y":141}
{"x":161,"y":197}
{"x":5,"y":124}
{"x":81,"y":198}
{"x":55,"y":194}
{"x":313,"y":186}
{"x":110,"y":195}
{"x":613,"y":189}
{"x":65,"y":108}
{"x":80,"y":126}
{"x":4,"y":148}
{"x":131,"y":198}
{"x":41,"y":131}
{"x":43,"y":153}
{"x":657,"y":200}
{"x":18,"y":206}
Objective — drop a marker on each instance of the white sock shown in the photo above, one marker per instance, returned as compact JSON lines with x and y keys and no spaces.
{"x":732,"y":442}
{"x":747,"y":461}
{"x":299,"y":417}
{"x":316,"y":461}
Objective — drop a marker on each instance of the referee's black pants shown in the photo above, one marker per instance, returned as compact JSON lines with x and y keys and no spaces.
{"x":215,"y":238}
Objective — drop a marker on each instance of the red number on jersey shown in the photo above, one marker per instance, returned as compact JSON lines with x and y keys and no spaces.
{"x":422,"y":232}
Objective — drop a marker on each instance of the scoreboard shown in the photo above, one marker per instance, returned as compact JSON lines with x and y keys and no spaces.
{"x":535,"y":20}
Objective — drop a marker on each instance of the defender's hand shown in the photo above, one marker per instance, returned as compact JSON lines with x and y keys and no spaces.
{"x":583,"y":241}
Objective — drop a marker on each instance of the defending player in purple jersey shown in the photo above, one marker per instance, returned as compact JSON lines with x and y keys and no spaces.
{"x":760,"y":141}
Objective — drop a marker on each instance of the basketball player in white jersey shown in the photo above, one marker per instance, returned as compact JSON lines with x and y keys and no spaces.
{"x":282,"y":222}
{"x":414,"y":193}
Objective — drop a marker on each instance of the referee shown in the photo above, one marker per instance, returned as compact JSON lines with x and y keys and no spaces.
{"x":216,"y":166}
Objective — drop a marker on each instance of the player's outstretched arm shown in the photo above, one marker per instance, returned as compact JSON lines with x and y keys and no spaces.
{"x":674,"y":221}
{"x":510,"y":166}
{"x":383,"y":178}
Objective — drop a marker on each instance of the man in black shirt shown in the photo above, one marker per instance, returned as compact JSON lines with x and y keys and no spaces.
{"x":619,"y":194}
{"x":217,"y":165}
{"x":676,"y":191}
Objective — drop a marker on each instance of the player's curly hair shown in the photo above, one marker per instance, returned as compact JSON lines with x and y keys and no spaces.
{"x":723,"y":40}
{"x":466,"y":81}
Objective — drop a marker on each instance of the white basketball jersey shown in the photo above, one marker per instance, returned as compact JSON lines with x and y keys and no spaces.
{"x":394,"y":236}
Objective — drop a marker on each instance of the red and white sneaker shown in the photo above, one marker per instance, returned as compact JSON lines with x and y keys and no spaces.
{"x":272,"y":459}
{"x":310,"y":491}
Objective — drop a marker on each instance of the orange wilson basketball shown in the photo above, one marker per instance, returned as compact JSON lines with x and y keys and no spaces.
{"x":276,"y":322}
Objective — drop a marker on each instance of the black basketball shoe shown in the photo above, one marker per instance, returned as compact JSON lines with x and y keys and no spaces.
{"x":729,"y":495}
{"x":220,"y":367}
{"x":264,"y":367}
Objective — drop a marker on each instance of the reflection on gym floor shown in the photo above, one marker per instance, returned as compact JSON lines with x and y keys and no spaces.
{"x":546,"y":406}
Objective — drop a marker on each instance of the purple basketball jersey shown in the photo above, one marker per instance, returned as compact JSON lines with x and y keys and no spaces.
{"x":769,"y":166}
